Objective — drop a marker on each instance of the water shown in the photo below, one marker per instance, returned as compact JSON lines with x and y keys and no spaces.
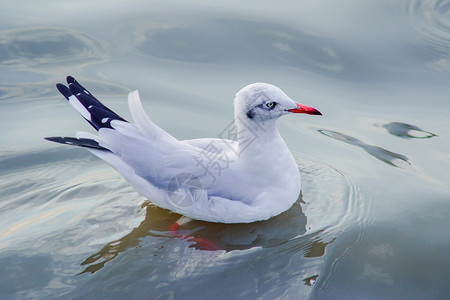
{"x":372,"y":221}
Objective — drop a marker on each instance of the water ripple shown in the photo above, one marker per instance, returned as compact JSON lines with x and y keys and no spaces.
{"x":237,"y":41}
{"x":432,"y":19}
{"x":34,"y":47}
{"x":327,"y":207}
{"x":63,"y":201}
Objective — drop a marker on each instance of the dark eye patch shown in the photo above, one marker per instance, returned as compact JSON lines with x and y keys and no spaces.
{"x":250,"y":114}
{"x":268,"y":106}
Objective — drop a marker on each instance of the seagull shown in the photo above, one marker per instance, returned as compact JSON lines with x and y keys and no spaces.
{"x":250,"y":178}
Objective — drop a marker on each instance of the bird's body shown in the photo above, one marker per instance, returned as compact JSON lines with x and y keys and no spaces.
{"x":216,"y":180}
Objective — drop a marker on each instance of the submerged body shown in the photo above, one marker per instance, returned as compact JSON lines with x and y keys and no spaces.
{"x":216,"y":180}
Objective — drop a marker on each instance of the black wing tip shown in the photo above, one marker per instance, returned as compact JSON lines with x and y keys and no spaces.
{"x":50,"y":138}
{"x":60,"y":139}
{"x":76,"y":88}
{"x":81,"y":142}
{"x":97,"y":110}
{"x":70,"y":79}
{"x":64,"y":90}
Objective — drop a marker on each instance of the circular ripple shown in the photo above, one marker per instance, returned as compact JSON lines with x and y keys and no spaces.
{"x":33,"y":47}
{"x":332,"y":201}
{"x":432,"y":19}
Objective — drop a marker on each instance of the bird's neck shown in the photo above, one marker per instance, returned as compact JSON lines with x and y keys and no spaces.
{"x":257,"y":136}
{"x":264,"y":154}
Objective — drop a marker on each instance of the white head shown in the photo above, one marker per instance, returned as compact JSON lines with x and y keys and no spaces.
{"x":262,"y":101}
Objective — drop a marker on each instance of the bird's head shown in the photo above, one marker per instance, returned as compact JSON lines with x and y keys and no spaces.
{"x":263,"y":101}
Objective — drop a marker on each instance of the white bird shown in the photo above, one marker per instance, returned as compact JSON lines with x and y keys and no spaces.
{"x":211,"y":179}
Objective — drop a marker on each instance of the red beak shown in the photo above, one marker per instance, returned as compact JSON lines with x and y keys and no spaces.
{"x":303,"y":109}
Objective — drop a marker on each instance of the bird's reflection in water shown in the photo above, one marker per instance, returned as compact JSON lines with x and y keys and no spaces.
{"x":212,"y":236}
{"x":407,"y":131}
{"x":386,"y":156}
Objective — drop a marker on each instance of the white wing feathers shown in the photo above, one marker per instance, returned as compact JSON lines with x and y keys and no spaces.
{"x":152,"y":153}
{"x":142,"y":121}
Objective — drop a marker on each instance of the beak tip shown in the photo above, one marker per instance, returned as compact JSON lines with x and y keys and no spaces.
{"x":302,"y":109}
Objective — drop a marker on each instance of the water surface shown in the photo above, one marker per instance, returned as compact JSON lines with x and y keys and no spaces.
{"x":372,"y":220}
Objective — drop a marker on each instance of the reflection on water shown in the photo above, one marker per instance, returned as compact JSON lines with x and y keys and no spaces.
{"x":287,"y":251}
{"x":228,"y":237}
{"x":407,"y":131}
{"x":386,"y":156}
{"x":302,"y":229}
{"x":72,"y":208}
{"x":73,"y":204}
{"x":310,"y":280}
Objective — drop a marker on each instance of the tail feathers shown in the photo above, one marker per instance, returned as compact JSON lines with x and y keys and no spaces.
{"x":81,"y":142}
{"x":97,"y":114}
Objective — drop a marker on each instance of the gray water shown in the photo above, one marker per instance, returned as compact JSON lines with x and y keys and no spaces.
{"x":374,"y":215}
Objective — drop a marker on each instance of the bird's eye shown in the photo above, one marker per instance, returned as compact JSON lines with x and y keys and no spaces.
{"x":270,"y":104}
